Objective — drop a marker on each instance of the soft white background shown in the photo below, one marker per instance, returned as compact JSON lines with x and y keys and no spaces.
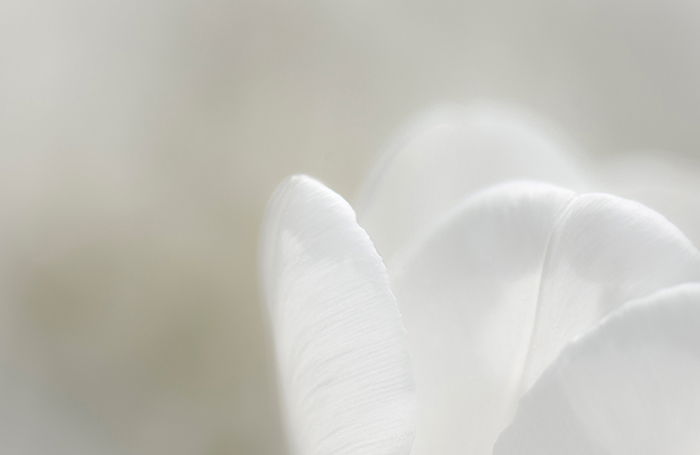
{"x":139,"y":141}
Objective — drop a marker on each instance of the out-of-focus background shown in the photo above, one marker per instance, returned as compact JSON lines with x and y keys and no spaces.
{"x":140,"y":139}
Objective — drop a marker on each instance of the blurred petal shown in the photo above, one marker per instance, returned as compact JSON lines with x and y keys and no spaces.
{"x":630,"y":387}
{"x":345,"y":378}
{"x":491,"y":296}
{"x":446,"y":155}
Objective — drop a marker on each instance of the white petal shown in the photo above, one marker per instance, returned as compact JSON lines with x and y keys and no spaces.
{"x":667,"y":185}
{"x":630,"y":387}
{"x":517,"y":267}
{"x":343,"y":364}
{"x":449,"y":154}
{"x":603,"y":252}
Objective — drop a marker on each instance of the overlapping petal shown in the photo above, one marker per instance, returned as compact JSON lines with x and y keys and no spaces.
{"x":491,"y":296}
{"x":450,"y":153}
{"x":492,"y":287}
{"x":629,"y":387}
{"x":345,"y":379}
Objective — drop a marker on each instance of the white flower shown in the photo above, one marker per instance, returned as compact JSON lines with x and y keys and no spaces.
{"x":538,"y":320}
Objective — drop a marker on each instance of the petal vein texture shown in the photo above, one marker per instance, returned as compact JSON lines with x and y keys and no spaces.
{"x":346,"y":382}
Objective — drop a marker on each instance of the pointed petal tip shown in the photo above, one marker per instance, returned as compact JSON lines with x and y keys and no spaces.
{"x":344,"y":369}
{"x":294,"y":196}
{"x":296,"y":182}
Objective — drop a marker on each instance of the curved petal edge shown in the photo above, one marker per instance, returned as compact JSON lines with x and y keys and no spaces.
{"x":345,"y":378}
{"x":630,"y":386}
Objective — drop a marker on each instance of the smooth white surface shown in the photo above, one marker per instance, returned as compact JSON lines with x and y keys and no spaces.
{"x":630,"y":387}
{"x":501,"y":285}
{"x":345,"y":377}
